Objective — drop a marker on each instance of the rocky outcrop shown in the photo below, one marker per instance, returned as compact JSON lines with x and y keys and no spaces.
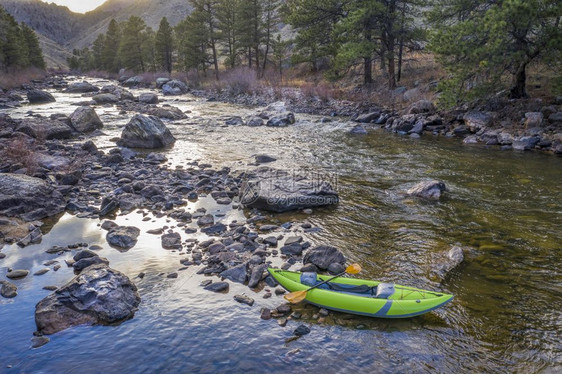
{"x":146,"y":132}
{"x":28,"y":197}
{"x":81,"y":87}
{"x":98,"y":296}
{"x":431,"y":190}
{"x":44,"y":128}
{"x":280,"y":191}
{"x":85,"y":119}
{"x":39,"y":97}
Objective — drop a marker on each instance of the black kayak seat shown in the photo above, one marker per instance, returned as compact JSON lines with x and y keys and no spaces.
{"x":311,"y":279}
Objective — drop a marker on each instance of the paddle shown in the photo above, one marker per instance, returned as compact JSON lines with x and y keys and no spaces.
{"x":298,"y":296}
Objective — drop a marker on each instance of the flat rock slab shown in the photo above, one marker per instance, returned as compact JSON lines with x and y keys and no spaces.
{"x":281,"y":191}
{"x":17,"y":274}
{"x":99,"y":295}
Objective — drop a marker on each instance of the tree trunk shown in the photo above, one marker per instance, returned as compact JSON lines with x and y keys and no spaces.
{"x":401,"y":42}
{"x":368,"y":70}
{"x":518,"y":90}
{"x":250,"y":57}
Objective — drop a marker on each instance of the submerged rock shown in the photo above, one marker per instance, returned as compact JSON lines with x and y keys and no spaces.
{"x":428,"y":190}
{"x":453,"y":258}
{"x":146,"y":132}
{"x":358,"y":130}
{"x":217,"y":286}
{"x":99,"y":295}
{"x":280,"y":191}
{"x":243,"y":299}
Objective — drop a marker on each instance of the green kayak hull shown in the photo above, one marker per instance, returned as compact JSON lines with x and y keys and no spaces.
{"x":405,"y":302}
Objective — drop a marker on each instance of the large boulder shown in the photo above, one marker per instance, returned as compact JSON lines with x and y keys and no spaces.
{"x":98,"y":296}
{"x":148,"y":98}
{"x":281,"y":120}
{"x":431,"y":190}
{"x":85,"y":119}
{"x":174,"y":87}
{"x":167,"y":112}
{"x":39,"y":97}
{"x":146,"y":132}
{"x":280,"y":191}
{"x":422,"y":106}
{"x":43,"y":128}
{"x":120,"y":93}
{"x":136,"y":81}
{"x":81,"y":87}
{"x":368,"y":117}
{"x":323,"y":256}
{"x":477,"y":121}
{"x":105,"y":98}
{"x":28,"y":197}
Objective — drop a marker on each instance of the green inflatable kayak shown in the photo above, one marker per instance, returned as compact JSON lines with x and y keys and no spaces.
{"x":360,"y":296}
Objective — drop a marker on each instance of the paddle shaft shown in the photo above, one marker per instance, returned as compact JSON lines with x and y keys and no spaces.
{"x":326,"y":281}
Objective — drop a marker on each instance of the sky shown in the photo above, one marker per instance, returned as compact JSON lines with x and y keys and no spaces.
{"x":80,"y":6}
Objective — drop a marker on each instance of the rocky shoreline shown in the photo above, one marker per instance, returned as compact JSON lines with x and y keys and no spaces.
{"x":50,"y":165}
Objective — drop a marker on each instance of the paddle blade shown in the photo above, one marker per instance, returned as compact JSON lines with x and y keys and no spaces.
{"x":353,"y":269}
{"x":295,"y":297}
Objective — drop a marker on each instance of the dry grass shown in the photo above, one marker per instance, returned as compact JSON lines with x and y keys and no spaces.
{"x":18,"y":78}
{"x":20,"y":153}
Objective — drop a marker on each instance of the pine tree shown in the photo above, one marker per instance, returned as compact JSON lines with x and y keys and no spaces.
{"x":227,"y":14}
{"x":165,"y":46}
{"x":131,"y":49}
{"x":110,"y":55}
{"x":149,"y":49}
{"x":192,"y":43}
{"x":280,"y":52}
{"x":482,"y":43}
{"x":97,"y":51}
{"x":13,"y":54}
{"x":315,"y":23}
{"x":34,"y":52}
{"x":250,"y":28}
{"x":270,"y":24}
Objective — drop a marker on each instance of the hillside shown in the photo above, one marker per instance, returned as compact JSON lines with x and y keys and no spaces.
{"x":61,"y":30}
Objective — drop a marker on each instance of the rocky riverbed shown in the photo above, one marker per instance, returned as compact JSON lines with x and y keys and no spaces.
{"x":176,"y":206}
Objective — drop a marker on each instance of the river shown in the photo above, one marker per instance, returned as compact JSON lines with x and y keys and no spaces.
{"x":503,"y":205}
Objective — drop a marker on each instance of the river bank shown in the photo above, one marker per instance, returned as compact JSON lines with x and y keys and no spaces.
{"x":394,"y":236}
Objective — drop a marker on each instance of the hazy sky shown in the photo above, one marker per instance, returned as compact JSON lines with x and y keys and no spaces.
{"x":80,"y":6}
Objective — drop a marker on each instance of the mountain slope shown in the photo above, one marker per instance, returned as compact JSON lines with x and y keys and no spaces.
{"x":151,"y":11}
